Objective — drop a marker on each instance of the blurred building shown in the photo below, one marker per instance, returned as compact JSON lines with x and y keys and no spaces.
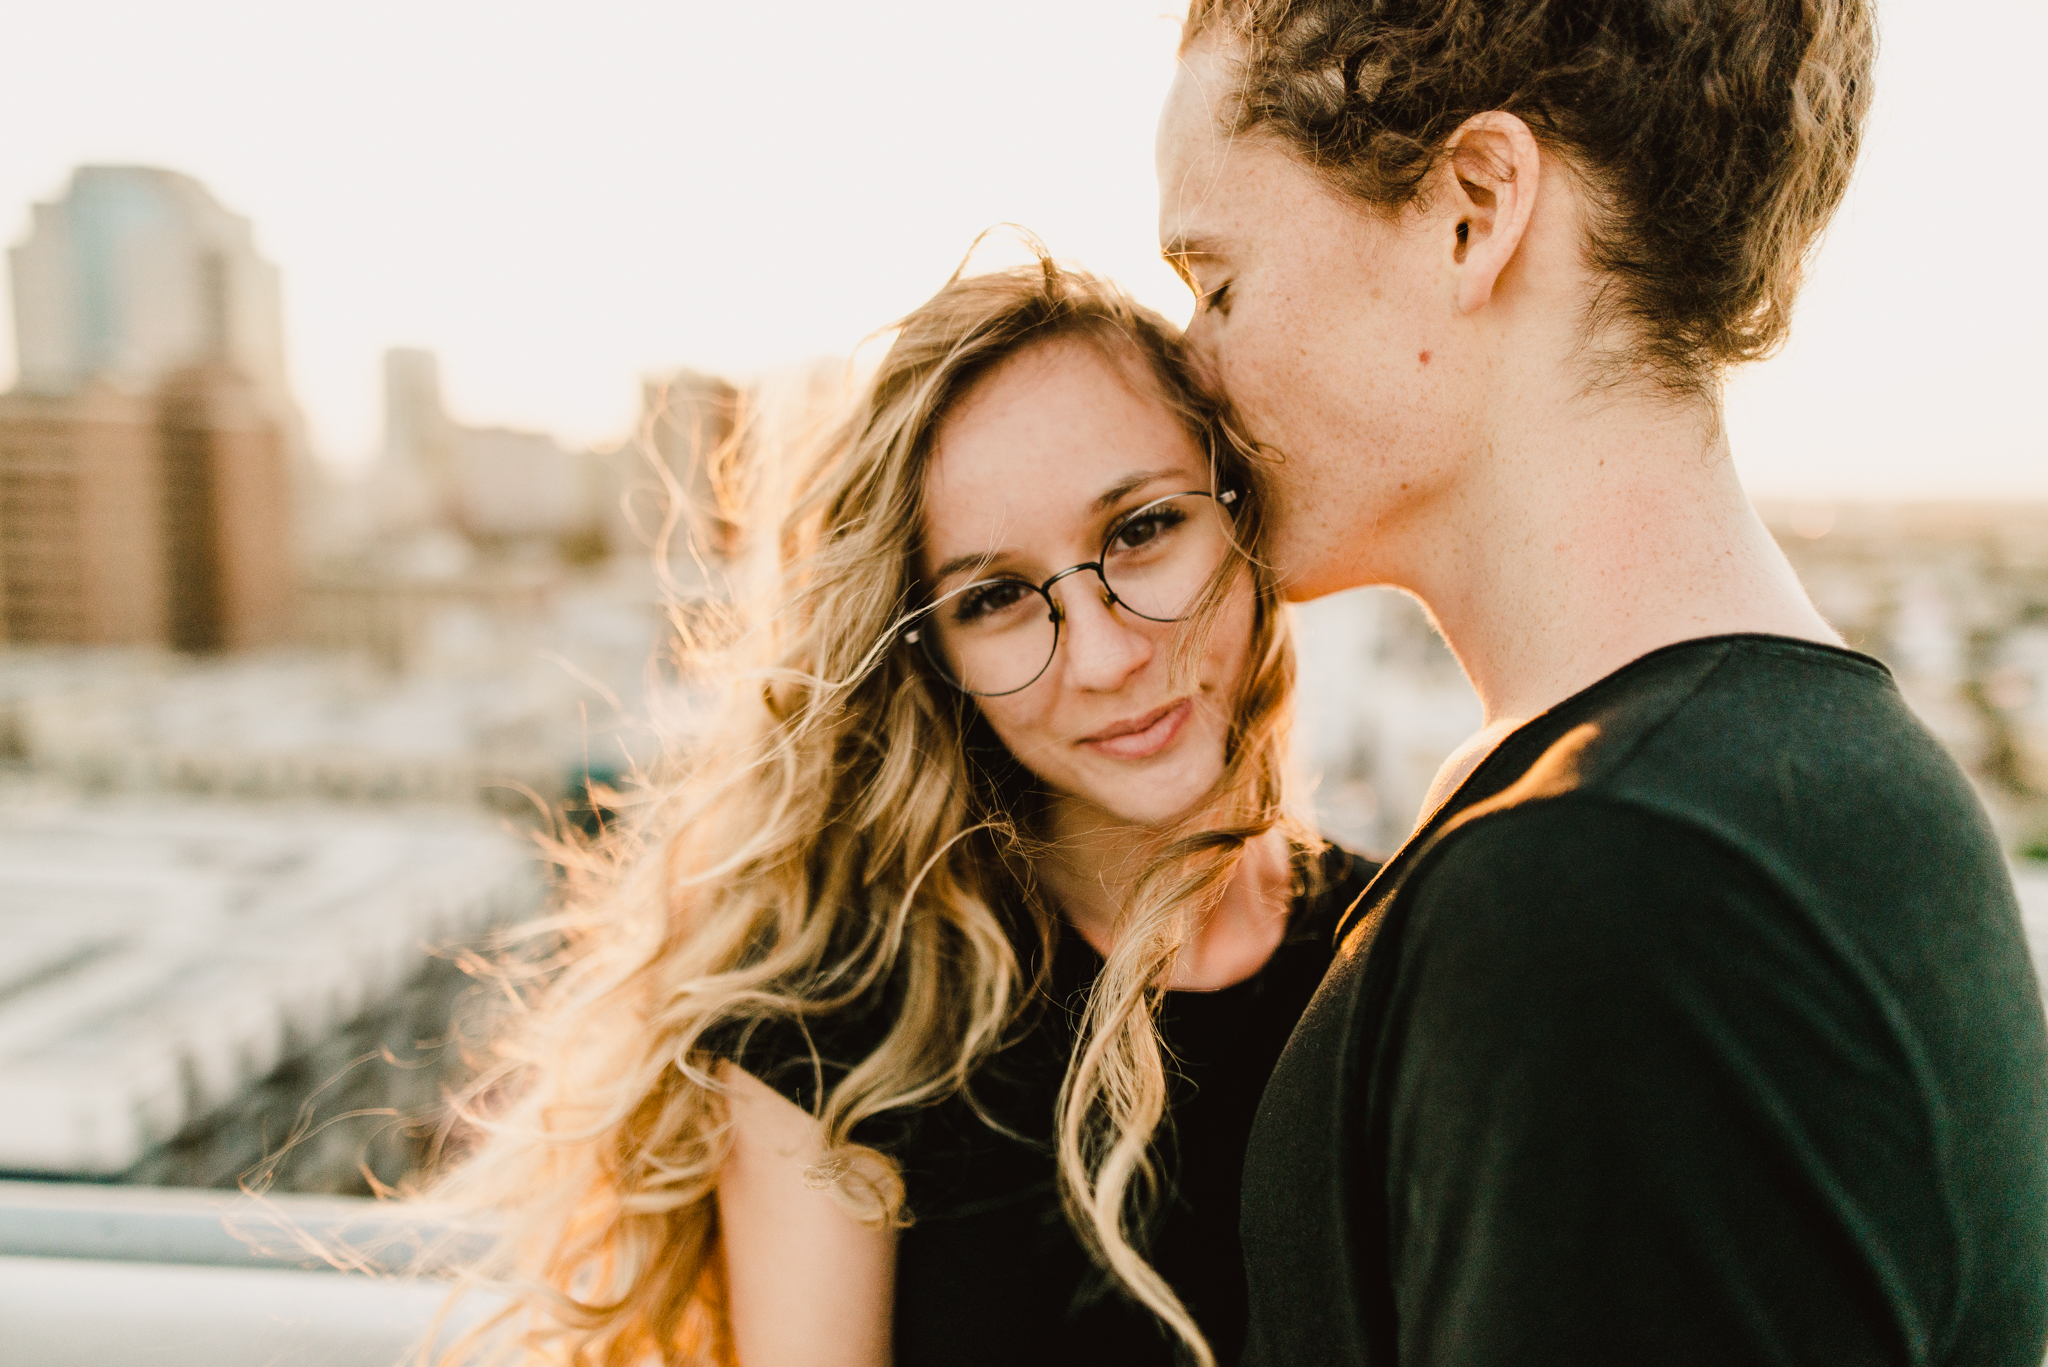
{"x":138,"y":273}
{"x":417,"y":471}
{"x":490,"y":484}
{"x":684,"y":460}
{"x":1380,"y":702}
{"x":146,"y":490}
{"x":690,"y":480}
{"x":516,"y":485}
{"x":427,"y":605}
{"x":156,"y":519}
{"x":485,"y":702}
{"x":461,"y":550}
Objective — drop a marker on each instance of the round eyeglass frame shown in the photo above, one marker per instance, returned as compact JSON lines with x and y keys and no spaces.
{"x":914,"y":632}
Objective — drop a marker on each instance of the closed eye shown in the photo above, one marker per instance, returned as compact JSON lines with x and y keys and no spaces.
{"x":1217,"y":300}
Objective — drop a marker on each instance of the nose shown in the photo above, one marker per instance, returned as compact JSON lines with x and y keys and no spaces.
{"x":1103,"y":645}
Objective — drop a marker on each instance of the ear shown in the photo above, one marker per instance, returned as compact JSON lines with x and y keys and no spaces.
{"x":1494,"y":170}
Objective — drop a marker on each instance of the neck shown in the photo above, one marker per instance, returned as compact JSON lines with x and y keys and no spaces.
{"x":1588,"y":537}
{"x":1093,"y":867}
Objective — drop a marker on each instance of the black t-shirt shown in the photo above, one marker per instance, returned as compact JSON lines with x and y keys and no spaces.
{"x":1696,"y":1028}
{"x":989,"y":1271}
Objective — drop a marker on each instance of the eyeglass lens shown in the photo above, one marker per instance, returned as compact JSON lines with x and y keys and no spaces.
{"x":997,"y":635}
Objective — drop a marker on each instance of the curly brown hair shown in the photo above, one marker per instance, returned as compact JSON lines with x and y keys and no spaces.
{"x":1716,"y":136}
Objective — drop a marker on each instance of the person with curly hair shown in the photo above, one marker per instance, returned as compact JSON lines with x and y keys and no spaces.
{"x":1693,"y":1023}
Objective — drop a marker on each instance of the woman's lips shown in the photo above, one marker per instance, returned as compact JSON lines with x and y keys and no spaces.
{"x":1142,"y":736}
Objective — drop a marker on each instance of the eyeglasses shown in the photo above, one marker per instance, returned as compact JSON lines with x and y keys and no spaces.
{"x":997,"y":636}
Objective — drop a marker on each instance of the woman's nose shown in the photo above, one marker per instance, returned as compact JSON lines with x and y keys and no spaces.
{"x":1104,"y":645}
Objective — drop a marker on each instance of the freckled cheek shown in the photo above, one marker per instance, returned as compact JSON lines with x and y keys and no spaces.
{"x":1228,"y":656}
{"x":1257,"y":370}
{"x":1027,"y":726}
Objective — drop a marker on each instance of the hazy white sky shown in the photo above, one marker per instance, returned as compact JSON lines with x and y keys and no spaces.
{"x":561,"y":198}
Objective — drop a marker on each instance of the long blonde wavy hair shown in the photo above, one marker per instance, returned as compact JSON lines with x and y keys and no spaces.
{"x":843,"y":831}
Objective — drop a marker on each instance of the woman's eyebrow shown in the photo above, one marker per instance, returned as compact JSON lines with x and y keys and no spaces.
{"x":1107,"y":499}
{"x":960,"y":564}
{"x":1125,"y":487}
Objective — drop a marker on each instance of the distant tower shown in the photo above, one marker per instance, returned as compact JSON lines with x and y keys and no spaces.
{"x":417,"y":480}
{"x":146,"y":489}
{"x":490,"y":483}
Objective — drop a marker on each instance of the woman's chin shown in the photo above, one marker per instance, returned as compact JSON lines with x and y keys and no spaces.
{"x":1156,"y":801}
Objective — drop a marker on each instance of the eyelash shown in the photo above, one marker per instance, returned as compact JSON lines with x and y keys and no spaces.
{"x":1212,"y":302}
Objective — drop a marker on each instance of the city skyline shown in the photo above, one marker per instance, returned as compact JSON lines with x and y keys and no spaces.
{"x":558,"y":207}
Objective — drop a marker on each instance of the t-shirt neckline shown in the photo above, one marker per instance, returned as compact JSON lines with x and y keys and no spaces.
{"x":1613,"y":679}
{"x":1337,"y":863}
{"x":1456,"y":800}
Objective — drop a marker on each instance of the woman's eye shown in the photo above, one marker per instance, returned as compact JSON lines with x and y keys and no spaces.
{"x":1146,"y":528}
{"x":1217,"y":300}
{"x":981,"y":601}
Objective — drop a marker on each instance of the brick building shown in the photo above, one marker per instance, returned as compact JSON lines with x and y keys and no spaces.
{"x":154,"y":519}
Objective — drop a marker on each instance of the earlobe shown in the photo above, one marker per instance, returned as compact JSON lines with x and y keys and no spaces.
{"x":1494,"y":169}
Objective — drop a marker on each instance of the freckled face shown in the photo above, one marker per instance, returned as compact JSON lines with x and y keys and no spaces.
{"x":1330,"y":326}
{"x":1031,"y":470}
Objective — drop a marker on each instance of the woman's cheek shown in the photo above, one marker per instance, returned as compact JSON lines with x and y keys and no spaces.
{"x":1021,"y":729}
{"x":1230,"y":651}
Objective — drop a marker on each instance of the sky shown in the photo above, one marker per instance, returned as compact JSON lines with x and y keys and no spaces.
{"x":561,"y":199}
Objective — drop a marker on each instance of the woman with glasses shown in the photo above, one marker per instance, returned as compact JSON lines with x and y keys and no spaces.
{"x":922,"y":1020}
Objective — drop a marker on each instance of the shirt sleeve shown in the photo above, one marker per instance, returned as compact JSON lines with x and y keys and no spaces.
{"x":803,"y":1059}
{"x":1636,"y":1107}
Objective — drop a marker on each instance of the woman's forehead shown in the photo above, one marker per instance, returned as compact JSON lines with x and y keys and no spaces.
{"x":1070,"y":416}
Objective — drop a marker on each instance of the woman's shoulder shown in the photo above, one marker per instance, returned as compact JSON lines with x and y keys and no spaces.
{"x":802,"y":1057}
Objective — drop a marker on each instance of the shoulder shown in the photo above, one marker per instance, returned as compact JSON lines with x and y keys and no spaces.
{"x":1796,"y":761}
{"x":1599,"y":942}
{"x":1594,"y":949}
{"x":1759,"y":736}
{"x":1717,"y":696}
{"x":802,"y":1058}
{"x":1598,"y":936}
{"x":1558,"y":897}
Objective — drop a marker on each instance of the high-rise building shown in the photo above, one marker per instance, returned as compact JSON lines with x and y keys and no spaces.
{"x":136,"y":273}
{"x":227,"y":510}
{"x":81,"y":520}
{"x":146,"y":491}
{"x":144,"y":520}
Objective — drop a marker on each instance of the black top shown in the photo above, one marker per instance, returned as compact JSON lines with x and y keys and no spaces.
{"x":1697,"y":1027}
{"x":989,"y":1272}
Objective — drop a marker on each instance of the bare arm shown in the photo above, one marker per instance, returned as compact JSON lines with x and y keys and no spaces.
{"x":809,"y":1285}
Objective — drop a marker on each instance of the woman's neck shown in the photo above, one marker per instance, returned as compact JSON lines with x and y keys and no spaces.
{"x":1093,"y":865}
